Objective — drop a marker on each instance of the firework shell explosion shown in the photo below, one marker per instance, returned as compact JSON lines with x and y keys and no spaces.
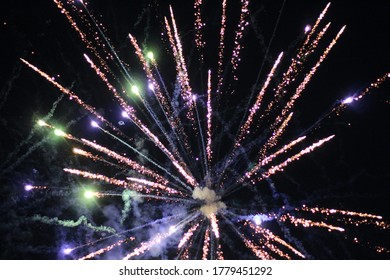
{"x":192,"y":172}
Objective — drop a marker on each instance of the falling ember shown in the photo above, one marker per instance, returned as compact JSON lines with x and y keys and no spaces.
{"x":175,"y":153}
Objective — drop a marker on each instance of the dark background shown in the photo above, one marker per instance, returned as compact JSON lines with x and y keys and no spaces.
{"x":352,"y":172}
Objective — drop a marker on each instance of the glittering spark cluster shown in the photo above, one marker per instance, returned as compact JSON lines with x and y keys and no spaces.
{"x":182,"y":168}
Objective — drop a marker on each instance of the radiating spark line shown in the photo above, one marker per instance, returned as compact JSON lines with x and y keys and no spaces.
{"x":154,"y":185}
{"x":188,"y":235}
{"x":337,"y":211}
{"x":206,"y":244}
{"x":145,"y":246}
{"x":209,"y":115}
{"x":198,"y":24}
{"x":272,"y":237}
{"x":110,"y":46}
{"x":220,"y":256}
{"x":309,"y":223}
{"x":173,"y":121}
{"x":280,"y":167}
{"x":238,"y":37}
{"x":273,"y":140}
{"x":317,"y":23}
{"x":349,"y":217}
{"x":70,"y":94}
{"x":214,"y":225}
{"x":307,"y":79}
{"x":106,"y":249}
{"x":221,"y":46}
{"x":82,"y":35}
{"x":257,"y":250}
{"x":270,"y":158}
{"x":121,"y":159}
{"x":147,"y":158}
{"x":117,"y":182}
{"x":245,"y":128}
{"x":183,"y":73}
{"x":297,"y":63}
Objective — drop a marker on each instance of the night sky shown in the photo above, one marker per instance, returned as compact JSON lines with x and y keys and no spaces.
{"x":350,"y":172}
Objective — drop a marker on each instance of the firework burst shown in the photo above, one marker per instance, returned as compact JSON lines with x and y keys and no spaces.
{"x":200,"y":157}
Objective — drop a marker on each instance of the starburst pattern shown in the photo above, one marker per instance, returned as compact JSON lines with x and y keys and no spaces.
{"x":181,"y":126}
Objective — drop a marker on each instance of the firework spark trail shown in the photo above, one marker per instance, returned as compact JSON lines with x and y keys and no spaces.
{"x":214,"y":225}
{"x":172,"y":194}
{"x":130,"y":113}
{"x":123,"y":68}
{"x":342,"y":104}
{"x":272,"y":237}
{"x":110,"y":46}
{"x":121,"y":234}
{"x":124,"y":105}
{"x":140,"y":187}
{"x":337,"y":211}
{"x":221,"y":46}
{"x":145,"y":246}
{"x":106,"y":249}
{"x":242,"y":24}
{"x":146,"y":157}
{"x":245,"y":129}
{"x":121,"y":159}
{"x":198,"y":24}
{"x":164,"y":104}
{"x":314,"y":44}
{"x":308,"y":223}
{"x":209,"y":115}
{"x":271,"y":142}
{"x":349,"y":217}
{"x":155,"y":197}
{"x":184,"y":252}
{"x":159,"y":97}
{"x":180,"y":134}
{"x":270,"y":158}
{"x":97,"y":158}
{"x":278,"y":168}
{"x":7,"y":88}
{"x":82,"y":35}
{"x":154,"y":185}
{"x":314,"y":28}
{"x":265,"y":242}
{"x":257,"y":250}
{"x":275,"y":137}
{"x":206,"y":244}
{"x":188,"y":235}
{"x":296,"y":63}
{"x":306,"y":80}
{"x":180,"y":63}
{"x":71,"y":95}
